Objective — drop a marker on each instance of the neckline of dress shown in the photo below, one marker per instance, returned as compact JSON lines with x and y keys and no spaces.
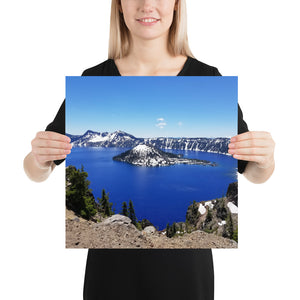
{"x":187,"y":62}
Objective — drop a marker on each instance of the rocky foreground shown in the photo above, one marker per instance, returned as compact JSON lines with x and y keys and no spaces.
{"x":117,"y":231}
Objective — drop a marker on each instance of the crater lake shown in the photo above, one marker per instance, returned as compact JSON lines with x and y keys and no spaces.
{"x":159,"y":194}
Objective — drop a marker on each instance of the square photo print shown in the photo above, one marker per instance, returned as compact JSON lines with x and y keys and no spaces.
{"x":149,"y":165}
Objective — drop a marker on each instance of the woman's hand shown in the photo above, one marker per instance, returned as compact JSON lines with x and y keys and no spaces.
{"x":48,"y":146}
{"x":257,"y":147}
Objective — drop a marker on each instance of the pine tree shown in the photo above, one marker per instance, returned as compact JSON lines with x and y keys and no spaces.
{"x":79,"y":197}
{"x":181,"y":227}
{"x":224,"y":232}
{"x":173,"y":229}
{"x":221,"y":209}
{"x":195,"y":212}
{"x":105,"y":205}
{"x":145,"y":223}
{"x":229,"y":225}
{"x":132,"y":213}
{"x":124,"y":209}
{"x":168,"y":230}
{"x":208,"y":216}
{"x":235,"y":234}
{"x":187,"y":226}
{"x":103,"y":201}
{"x":192,"y":214}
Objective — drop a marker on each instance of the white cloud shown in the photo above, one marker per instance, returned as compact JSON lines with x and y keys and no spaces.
{"x":180,"y":123}
{"x":161,"y":123}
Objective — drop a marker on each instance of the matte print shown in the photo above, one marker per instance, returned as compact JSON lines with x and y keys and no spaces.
{"x":149,"y":166}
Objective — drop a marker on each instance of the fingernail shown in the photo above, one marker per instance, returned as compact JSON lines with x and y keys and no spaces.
{"x":231,"y":145}
{"x":233,"y":139}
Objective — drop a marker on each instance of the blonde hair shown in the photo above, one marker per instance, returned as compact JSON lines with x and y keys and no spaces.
{"x":119,"y":38}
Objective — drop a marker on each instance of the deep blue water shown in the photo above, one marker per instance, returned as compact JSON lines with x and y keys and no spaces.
{"x":159,"y":194}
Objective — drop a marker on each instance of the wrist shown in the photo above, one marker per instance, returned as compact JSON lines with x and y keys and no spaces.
{"x":267,"y":165}
{"x":34,"y":170}
{"x":42,"y":166}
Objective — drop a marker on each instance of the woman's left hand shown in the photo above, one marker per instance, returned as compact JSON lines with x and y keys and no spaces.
{"x":254,"y":146}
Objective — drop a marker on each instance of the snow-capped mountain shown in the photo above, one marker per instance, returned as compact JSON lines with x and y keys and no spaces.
{"x":216,"y":145}
{"x":122,"y":139}
{"x":150,"y":156}
{"x":118,"y":139}
{"x":87,"y":137}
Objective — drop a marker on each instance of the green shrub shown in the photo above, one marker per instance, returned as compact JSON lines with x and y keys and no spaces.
{"x":79,"y":197}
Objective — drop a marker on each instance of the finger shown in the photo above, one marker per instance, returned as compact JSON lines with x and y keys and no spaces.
{"x":50,"y":151}
{"x":43,"y":143}
{"x":51,"y":135}
{"x":260,"y":159}
{"x":250,"y":151}
{"x":46,"y":158}
{"x":253,"y":143}
{"x":251,"y":135}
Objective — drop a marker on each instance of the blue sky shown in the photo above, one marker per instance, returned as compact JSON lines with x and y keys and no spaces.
{"x":153,"y":106}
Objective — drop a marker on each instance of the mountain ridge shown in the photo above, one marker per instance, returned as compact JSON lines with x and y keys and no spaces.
{"x":123,"y":139}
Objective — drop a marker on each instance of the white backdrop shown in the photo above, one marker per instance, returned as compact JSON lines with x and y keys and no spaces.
{"x":42,"y":42}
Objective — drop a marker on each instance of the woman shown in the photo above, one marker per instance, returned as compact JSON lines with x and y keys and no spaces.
{"x":148,"y":38}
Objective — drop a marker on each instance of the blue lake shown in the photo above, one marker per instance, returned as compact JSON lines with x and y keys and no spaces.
{"x":159,"y":194}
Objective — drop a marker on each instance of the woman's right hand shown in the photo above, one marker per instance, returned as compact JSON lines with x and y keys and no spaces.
{"x":48,"y":146}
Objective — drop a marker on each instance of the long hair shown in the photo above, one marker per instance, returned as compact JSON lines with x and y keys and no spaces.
{"x":119,"y":37}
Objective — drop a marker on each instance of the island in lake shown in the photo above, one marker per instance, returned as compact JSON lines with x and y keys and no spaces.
{"x":150,"y":156}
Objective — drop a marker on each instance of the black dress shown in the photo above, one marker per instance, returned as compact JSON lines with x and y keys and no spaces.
{"x":148,"y":274}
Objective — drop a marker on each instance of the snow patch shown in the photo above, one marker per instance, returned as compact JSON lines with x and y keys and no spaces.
{"x":142,"y":149}
{"x":233,"y":208}
{"x":209,"y":204}
{"x":112,"y":136}
{"x":223,"y":222}
{"x":99,"y":139}
{"x":202,"y":209}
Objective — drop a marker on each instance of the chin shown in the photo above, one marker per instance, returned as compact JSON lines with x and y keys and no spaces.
{"x":151,"y":36}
